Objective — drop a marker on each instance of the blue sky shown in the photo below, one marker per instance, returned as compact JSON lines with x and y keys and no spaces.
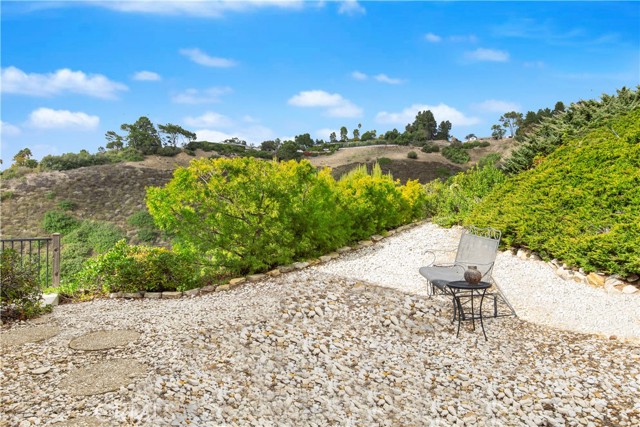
{"x":264,"y":69}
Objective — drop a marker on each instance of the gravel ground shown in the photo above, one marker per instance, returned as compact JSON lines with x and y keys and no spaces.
{"x":355,"y":341}
{"x":532,"y":287}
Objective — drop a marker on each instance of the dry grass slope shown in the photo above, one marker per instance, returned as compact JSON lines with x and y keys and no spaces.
{"x":114,"y":192}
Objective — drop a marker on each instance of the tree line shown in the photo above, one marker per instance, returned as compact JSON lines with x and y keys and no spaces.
{"x":144,"y":138}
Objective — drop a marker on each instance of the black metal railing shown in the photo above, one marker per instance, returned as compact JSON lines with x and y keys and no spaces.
{"x":42,"y":252}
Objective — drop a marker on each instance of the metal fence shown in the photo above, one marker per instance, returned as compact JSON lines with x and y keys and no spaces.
{"x":44,"y":252}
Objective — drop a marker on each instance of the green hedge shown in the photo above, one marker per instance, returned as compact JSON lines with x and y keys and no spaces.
{"x":581,"y":204}
{"x":249,"y":215}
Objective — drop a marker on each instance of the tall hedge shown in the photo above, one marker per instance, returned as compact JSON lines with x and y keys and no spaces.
{"x":580,"y":204}
{"x":248,"y":215}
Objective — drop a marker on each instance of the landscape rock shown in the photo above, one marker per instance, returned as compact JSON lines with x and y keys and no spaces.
{"x":132,"y":295}
{"x":191,"y":292}
{"x":153,"y":295}
{"x":50,"y":299}
{"x":595,"y":279}
{"x":171,"y":295}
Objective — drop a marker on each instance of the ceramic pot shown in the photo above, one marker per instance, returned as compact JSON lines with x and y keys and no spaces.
{"x":473,"y":275}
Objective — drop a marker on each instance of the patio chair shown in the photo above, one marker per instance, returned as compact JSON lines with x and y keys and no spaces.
{"x":477,"y":246}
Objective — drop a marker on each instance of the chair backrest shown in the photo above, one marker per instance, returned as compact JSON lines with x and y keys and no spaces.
{"x":479,"y":246}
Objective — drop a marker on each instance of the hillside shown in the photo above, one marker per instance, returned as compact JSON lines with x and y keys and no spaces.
{"x":427,"y":167}
{"x":581,"y":204}
{"x":114,"y":192}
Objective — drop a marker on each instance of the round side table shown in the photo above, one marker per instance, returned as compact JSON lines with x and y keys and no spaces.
{"x":464,"y":292}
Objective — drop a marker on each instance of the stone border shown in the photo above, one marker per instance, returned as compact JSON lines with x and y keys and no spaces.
{"x":613,"y":284}
{"x":253,"y":278}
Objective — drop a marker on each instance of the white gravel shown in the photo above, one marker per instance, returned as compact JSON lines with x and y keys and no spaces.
{"x":328,"y":346}
{"x":532,"y":287}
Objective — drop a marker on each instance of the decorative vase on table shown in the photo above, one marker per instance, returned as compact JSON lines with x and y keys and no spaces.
{"x":473,"y":275}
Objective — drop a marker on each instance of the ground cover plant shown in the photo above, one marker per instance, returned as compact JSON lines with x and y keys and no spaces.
{"x":449,"y":201}
{"x":580,"y":118}
{"x":580,"y":204}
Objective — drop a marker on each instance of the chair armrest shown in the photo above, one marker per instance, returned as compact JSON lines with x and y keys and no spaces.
{"x":432,"y":255}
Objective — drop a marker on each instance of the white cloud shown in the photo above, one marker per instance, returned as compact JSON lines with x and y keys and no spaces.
{"x":441,"y":112}
{"x":497,"y":106}
{"x":253,"y":134}
{"x":325,"y":133}
{"x":209,"y":119}
{"x":351,"y":7}
{"x":491,"y":55}
{"x":200,"y":57}
{"x":199,"y":8}
{"x":46,"y":118}
{"x":432,"y":38}
{"x":335,"y":104}
{"x":64,"y":80}
{"x":147,"y":76}
{"x":206,"y":96}
{"x":386,"y":79}
{"x":359,"y":76}
{"x":7,"y":129}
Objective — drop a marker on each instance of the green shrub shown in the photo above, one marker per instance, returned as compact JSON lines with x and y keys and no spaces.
{"x":88,"y":239}
{"x":248,"y":215}
{"x":473,"y":144}
{"x":148,"y":235}
{"x":59,"y":222}
{"x":384,"y":161}
{"x":449,"y":202}
{"x":579,"y":119}
{"x":20,"y":292}
{"x":6,"y":195}
{"x":412,"y":155}
{"x":147,"y":230}
{"x":443,"y":172}
{"x":580,"y":204}
{"x":126,"y":268}
{"x":69,"y":161}
{"x":125,"y":155}
{"x":489,"y":159}
{"x":430,"y":147}
{"x":73,"y":161}
{"x":141,"y":219}
{"x":168,"y":151}
{"x":14,"y":172}
{"x":455,"y":154}
{"x":50,"y":195}
{"x":66,"y":205}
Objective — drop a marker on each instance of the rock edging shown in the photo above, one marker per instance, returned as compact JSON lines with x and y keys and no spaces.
{"x":613,"y":284}
{"x":253,"y":278}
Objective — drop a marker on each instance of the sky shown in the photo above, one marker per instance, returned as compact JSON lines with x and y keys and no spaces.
{"x":259,"y":70}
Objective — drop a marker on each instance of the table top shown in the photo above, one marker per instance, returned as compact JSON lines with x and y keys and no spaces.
{"x":463,"y":284}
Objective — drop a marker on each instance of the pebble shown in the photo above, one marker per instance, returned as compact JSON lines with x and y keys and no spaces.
{"x":308,"y":348}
